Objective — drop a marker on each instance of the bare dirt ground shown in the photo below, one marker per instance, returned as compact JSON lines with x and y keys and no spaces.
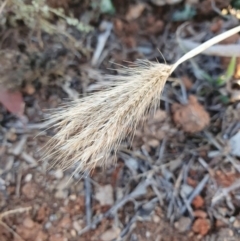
{"x":178,"y":179}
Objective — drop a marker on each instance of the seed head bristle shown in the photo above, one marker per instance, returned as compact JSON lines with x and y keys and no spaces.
{"x":90,"y":128}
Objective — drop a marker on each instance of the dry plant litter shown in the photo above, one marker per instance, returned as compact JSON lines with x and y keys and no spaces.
{"x":91,"y":128}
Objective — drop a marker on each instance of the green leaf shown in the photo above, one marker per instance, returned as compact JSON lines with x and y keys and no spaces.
{"x":225,"y":99}
{"x":229,"y":73}
{"x":106,"y":6}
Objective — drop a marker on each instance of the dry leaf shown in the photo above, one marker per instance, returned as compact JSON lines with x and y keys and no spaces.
{"x":12,"y":101}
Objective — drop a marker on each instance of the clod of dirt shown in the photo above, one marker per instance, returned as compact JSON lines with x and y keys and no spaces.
{"x":191,"y":117}
{"x":201,"y":226}
{"x":198,"y":202}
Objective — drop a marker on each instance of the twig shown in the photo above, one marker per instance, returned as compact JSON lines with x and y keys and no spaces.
{"x":225,"y":191}
{"x":3,"y":6}
{"x":138,"y":191}
{"x":102,"y":38}
{"x":88,"y":199}
{"x":10,"y":212}
{"x":219,"y":147}
{"x":196,"y":191}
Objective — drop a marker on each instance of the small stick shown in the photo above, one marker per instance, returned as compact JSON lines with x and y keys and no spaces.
{"x":196,"y":192}
{"x":88,"y":200}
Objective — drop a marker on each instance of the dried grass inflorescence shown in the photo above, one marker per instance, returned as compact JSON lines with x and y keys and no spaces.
{"x":89,"y":129}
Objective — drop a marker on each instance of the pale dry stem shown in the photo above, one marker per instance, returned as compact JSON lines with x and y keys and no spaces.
{"x":91,"y":128}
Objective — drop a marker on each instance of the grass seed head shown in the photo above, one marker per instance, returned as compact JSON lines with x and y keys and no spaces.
{"x":89,"y":129}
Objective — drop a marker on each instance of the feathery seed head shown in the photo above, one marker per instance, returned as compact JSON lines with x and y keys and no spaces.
{"x":90,"y":128}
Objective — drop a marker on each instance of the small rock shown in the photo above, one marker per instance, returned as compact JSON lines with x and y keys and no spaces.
{"x":236,"y":224}
{"x":156,"y":219}
{"x":135,"y":11}
{"x":77,"y":226}
{"x":73,"y":233}
{"x":183,"y":224}
{"x":48,"y":225}
{"x":58,"y":174}
{"x":30,"y":190}
{"x":28,"y":223}
{"x":153,"y":143}
{"x":201,"y":226}
{"x":29,"y":89}
{"x":104,"y":195}
{"x":53,"y":217}
{"x":110,"y":234}
{"x":28,"y":177}
{"x":235,"y":143}
{"x":148,"y":234}
{"x":65,"y":222}
{"x":11,"y":135}
{"x":61,"y":194}
{"x":186,"y":190}
{"x":72,"y":197}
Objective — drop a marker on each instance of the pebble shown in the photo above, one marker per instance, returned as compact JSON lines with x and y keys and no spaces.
{"x":61,"y":194}
{"x":231,"y":219}
{"x":77,"y":226}
{"x":236,"y":224}
{"x":148,"y":234}
{"x":186,"y":190}
{"x":183,"y":224}
{"x":156,"y":219}
{"x":53,"y":217}
{"x":28,"y":223}
{"x":48,"y":225}
{"x":73,"y":233}
{"x":28,"y":177}
{"x":11,"y":135}
{"x":73,"y":197}
{"x":58,"y":174}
